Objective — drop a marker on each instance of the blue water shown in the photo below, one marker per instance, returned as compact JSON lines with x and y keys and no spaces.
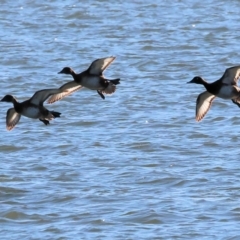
{"x":135,"y":165}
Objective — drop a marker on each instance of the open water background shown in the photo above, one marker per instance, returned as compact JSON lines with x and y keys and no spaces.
{"x":135,"y":165}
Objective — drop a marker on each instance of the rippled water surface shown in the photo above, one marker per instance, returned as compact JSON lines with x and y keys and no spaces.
{"x":135,"y":165}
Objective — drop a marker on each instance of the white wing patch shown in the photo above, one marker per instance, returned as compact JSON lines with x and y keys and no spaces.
{"x":204,"y":102}
{"x":99,"y":65}
{"x":12,"y":118}
{"x":66,"y":90}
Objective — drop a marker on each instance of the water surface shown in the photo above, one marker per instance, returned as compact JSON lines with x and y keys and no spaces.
{"x":135,"y":165}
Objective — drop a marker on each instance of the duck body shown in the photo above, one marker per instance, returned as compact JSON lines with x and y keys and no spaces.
{"x":31,"y":108}
{"x":98,"y":83}
{"x":229,"y":92}
{"x":92,"y":78}
{"x":92,"y":82}
{"x":225,"y":91}
{"x":225,"y":88}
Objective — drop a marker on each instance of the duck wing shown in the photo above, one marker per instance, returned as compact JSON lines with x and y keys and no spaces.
{"x":98,"y":66}
{"x":12,"y":118}
{"x":66,"y":90}
{"x":40,"y":96}
{"x":203,"y":104}
{"x":231,"y":75}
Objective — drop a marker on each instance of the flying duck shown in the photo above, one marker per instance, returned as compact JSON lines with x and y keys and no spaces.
{"x":32,"y":108}
{"x":226,"y":88}
{"x":91,"y":78}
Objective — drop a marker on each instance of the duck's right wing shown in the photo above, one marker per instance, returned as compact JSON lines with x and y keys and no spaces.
{"x":12,"y":118}
{"x":231,"y":75}
{"x":203,"y":104}
{"x":98,"y":66}
{"x":66,"y":90}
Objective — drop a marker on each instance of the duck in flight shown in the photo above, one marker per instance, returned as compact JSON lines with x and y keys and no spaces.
{"x":31,"y":108}
{"x":92,"y":78}
{"x":226,"y":88}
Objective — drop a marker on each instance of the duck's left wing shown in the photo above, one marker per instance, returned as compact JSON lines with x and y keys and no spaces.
{"x":231,"y":75}
{"x":203,"y":104}
{"x":40,"y":96}
{"x":66,"y":90}
{"x":98,"y":66}
{"x":12,"y":118}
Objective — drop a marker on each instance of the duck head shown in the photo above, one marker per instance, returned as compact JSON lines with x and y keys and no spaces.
{"x":66,"y":70}
{"x":197,"y":80}
{"x":8,"y":98}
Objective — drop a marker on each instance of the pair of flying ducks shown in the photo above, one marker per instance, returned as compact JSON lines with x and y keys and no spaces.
{"x":91,"y":78}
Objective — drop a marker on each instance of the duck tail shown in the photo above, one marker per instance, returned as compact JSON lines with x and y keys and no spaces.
{"x":110,"y":89}
{"x":115,"y":81}
{"x":55,"y":114}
